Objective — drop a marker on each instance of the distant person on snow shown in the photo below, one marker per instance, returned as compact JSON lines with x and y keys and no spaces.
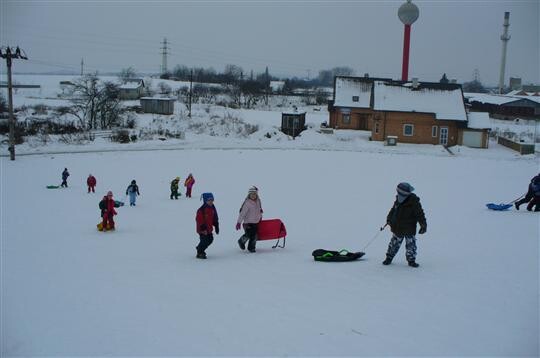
{"x":188,"y":183}
{"x":250,"y":214}
{"x":174,"y":188}
{"x":402,"y":219}
{"x":132,"y":190}
{"x":107,"y":206}
{"x":206,"y":219}
{"x":532,"y":196}
{"x":91,"y":182}
{"x":65,"y":175}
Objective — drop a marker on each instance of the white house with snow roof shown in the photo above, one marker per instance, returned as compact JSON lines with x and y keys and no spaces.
{"x":414,"y":112}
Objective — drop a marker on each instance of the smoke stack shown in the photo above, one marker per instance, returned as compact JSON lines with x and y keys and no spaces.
{"x":504,"y":38}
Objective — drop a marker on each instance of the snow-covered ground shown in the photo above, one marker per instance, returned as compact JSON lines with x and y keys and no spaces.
{"x":69,"y":290}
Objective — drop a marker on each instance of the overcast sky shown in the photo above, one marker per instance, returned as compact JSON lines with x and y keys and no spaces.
{"x":290,"y":37}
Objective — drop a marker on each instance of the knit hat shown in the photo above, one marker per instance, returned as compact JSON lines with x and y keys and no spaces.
{"x":404,"y":189}
{"x":109,"y":193}
{"x":253,"y":189}
{"x":207,"y":196}
{"x":133,"y":181}
{"x":177,"y":178}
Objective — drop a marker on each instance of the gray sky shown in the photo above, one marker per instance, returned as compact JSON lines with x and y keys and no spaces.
{"x":290,"y":37}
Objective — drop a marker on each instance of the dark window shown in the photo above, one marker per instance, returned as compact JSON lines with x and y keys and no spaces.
{"x":355,"y":98}
{"x":408,"y":130}
{"x":346,"y":118}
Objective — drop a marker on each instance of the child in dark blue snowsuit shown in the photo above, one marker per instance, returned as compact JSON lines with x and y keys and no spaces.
{"x":65,"y":175}
{"x":532,"y":196}
{"x":132,"y":190}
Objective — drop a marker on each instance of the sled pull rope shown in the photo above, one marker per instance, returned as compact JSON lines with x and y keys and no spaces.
{"x":374,"y":237}
{"x":513,"y":201}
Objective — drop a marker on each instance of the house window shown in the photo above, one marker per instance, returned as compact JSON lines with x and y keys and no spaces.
{"x":377,"y":127}
{"x":355,"y":98}
{"x":434,"y":131}
{"x":408,"y":130}
{"x":346,"y":118}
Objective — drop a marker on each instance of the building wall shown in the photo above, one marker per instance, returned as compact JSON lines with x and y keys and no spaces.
{"x":392,"y":124}
{"x":360,"y":118}
{"x":129,"y":93}
{"x":157,"y":106}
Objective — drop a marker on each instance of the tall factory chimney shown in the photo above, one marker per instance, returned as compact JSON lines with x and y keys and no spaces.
{"x":504,"y":38}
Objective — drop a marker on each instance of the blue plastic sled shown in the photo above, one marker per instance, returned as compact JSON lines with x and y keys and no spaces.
{"x":499,"y":207}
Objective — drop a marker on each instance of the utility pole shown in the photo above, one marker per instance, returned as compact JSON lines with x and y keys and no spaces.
{"x":266,"y":85}
{"x":9,"y":54}
{"x":82,"y":67}
{"x":190,"y":91}
{"x":164,"y":54}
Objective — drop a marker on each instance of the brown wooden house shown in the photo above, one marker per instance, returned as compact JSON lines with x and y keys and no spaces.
{"x":414,"y":112}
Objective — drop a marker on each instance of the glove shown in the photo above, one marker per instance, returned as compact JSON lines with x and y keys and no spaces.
{"x":423,"y":229}
{"x":237,"y":226}
{"x":203,"y":227}
{"x":217,"y":229}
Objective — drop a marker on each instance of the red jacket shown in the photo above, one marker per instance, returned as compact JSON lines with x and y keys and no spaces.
{"x":91,"y":181}
{"x":108,"y":205}
{"x":206,"y":219}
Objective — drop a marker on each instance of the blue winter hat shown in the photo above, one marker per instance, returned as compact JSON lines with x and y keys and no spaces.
{"x":207,"y":196}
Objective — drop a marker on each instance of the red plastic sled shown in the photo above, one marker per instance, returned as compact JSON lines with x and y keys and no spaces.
{"x":272,"y":229}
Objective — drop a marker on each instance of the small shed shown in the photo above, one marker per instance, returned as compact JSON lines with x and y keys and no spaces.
{"x":157,"y":105}
{"x":132,"y":89}
{"x":293,"y":123}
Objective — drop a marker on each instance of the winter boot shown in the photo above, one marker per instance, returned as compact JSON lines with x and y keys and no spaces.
{"x":201,"y":255}
{"x":252,"y":250}
{"x":413,"y":264}
{"x":516,"y":205}
{"x":387,"y":261}
{"x":241,"y":243}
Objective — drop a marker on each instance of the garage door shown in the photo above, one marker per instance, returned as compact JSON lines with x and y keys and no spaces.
{"x":472,"y":139}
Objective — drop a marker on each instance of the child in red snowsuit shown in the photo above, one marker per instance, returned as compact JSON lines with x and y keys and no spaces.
{"x":190,"y":180}
{"x":207,"y":219}
{"x":107,"y":211}
{"x":91,"y":182}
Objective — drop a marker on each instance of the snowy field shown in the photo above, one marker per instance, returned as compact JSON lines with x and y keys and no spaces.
{"x":69,"y":290}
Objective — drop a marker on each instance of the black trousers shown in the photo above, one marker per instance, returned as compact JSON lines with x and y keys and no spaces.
{"x":204,"y":242}
{"x":251,"y":235}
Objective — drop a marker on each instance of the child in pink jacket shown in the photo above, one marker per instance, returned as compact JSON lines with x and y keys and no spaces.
{"x":250,"y":214}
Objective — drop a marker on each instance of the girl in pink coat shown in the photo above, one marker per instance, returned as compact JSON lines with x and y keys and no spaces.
{"x":250,"y":215}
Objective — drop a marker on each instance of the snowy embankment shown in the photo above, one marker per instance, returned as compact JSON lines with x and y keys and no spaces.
{"x":69,"y":290}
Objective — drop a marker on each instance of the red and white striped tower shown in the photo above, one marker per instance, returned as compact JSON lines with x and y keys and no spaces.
{"x":408,"y":13}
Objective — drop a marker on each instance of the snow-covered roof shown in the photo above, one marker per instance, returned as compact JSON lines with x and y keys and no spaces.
{"x":446,"y":104}
{"x":352,"y":92}
{"x":131,"y":85}
{"x":479,"y":120}
{"x":497,"y":99}
{"x":158,"y":98}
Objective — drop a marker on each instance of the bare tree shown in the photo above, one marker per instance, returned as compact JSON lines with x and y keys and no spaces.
{"x":127,"y":74}
{"x":95,"y":104}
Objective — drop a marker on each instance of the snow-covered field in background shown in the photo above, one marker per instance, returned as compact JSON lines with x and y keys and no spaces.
{"x":69,"y":290}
